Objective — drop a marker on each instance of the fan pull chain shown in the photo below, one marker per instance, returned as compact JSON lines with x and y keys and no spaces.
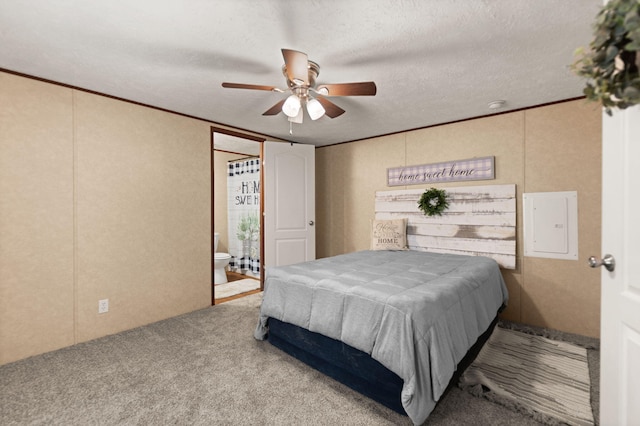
{"x":290,"y":127}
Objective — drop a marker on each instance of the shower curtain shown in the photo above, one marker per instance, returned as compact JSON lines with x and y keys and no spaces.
{"x":243,"y":189}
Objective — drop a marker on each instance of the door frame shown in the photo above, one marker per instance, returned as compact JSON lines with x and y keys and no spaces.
{"x":214,"y":130}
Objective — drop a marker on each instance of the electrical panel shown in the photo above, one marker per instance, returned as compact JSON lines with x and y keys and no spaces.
{"x":551,"y":224}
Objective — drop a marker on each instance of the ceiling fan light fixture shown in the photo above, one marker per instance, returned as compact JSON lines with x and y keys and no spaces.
{"x":291,"y":106}
{"x":297,"y":118}
{"x":315,"y":109}
{"x":301,"y":75}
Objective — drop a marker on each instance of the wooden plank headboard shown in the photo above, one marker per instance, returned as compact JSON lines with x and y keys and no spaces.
{"x":480,"y":221}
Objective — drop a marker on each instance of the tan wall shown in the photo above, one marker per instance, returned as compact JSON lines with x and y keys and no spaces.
{"x":552,"y":148}
{"x":563,"y":152}
{"x":106,"y":199}
{"x":100,"y":199}
{"x":36,"y":218}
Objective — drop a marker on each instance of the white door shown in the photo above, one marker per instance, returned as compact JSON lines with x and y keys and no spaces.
{"x":289,"y":209}
{"x":620,"y":321}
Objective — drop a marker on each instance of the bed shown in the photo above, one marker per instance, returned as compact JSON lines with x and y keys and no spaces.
{"x":395,"y":324}
{"x":407,"y":316}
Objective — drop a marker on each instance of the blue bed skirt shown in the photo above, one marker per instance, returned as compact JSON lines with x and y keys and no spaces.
{"x":351,"y":366}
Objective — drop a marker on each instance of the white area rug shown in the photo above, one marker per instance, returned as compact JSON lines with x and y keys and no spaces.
{"x":235,"y":287}
{"x":545,"y":378}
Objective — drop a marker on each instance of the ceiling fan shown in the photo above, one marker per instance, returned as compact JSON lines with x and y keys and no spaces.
{"x":301,"y":74}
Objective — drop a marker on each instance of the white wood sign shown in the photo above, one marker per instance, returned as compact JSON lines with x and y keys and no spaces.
{"x":480,"y":221}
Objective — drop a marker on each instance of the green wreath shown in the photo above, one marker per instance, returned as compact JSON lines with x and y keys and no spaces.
{"x":433,"y":202}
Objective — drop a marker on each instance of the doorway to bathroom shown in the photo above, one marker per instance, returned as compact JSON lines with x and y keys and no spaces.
{"x":236,"y":215}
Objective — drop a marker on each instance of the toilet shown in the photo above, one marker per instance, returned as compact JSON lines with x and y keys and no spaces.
{"x":220,"y":262}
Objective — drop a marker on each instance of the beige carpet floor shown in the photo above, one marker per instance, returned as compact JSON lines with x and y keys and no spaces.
{"x":203,"y":368}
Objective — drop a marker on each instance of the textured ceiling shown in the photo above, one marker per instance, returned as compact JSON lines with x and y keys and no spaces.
{"x":433,"y":61}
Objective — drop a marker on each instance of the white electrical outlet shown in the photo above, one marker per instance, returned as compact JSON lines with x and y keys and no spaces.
{"x":103,"y":306}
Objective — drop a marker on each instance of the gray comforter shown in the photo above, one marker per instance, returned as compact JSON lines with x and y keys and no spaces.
{"x":417,"y":313}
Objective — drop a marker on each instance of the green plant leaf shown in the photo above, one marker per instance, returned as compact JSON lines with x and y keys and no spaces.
{"x":619,"y":31}
{"x":599,"y":56}
{"x":610,"y":69}
{"x":633,"y":46}
{"x":631,"y":20}
{"x":622,"y":7}
{"x":612,"y":52}
{"x":631,"y":92}
{"x":634,"y":35}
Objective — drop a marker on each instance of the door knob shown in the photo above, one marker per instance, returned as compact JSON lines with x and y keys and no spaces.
{"x":311,"y":223}
{"x":607,"y":261}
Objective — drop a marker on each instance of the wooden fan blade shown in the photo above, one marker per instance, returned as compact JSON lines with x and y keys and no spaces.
{"x":276,"y":109}
{"x":330,"y":109}
{"x":248,"y":86}
{"x":297,"y":64}
{"x":365,"y":88}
